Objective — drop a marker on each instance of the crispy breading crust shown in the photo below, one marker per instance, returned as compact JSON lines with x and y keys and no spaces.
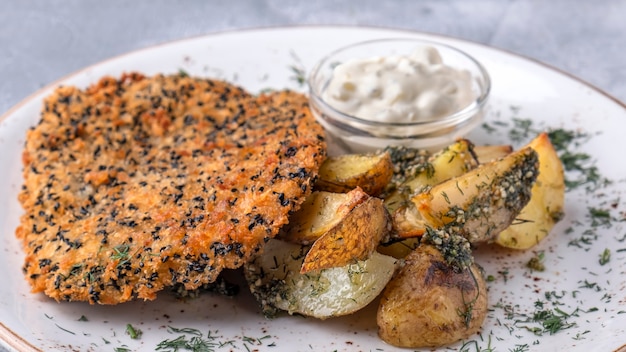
{"x":136,"y":184}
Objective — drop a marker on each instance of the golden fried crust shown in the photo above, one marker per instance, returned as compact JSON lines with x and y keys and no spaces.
{"x":136,"y":184}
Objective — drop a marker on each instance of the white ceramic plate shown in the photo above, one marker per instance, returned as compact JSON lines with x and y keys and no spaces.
{"x":574,"y":282}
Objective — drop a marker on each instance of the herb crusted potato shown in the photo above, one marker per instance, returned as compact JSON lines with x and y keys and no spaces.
{"x":547,"y":201}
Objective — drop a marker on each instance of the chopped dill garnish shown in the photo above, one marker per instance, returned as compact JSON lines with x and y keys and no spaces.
{"x":542,"y":321}
{"x":605,"y":257}
{"x":561,"y":139}
{"x":182,"y":342}
{"x":83,"y":318}
{"x":121,"y":254}
{"x":521,"y":348}
{"x":68,"y":331}
{"x":599,"y":217}
{"x":189,"y":331}
{"x":536,"y":263}
{"x":194,"y":340}
{"x":182,"y":73}
{"x":522,"y":130}
{"x":189,"y":340}
{"x":133,"y":332}
{"x":473,"y":343}
{"x":298,"y":75}
{"x":579,"y":166}
{"x":590,"y":285}
{"x":505,"y":274}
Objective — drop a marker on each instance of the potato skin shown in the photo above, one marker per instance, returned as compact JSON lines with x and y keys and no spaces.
{"x":426,"y":304}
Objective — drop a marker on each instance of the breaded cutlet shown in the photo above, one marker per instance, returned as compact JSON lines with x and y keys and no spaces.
{"x":140,"y":183}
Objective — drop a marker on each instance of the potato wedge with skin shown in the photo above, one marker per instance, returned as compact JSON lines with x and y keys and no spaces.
{"x":452,"y":161}
{"x":354,"y":238}
{"x":319,"y":213}
{"x":276,"y":283}
{"x":488,"y":153}
{"x":370,"y":172}
{"x":546,"y":204}
{"x":483,"y":202}
{"x":431,"y":304}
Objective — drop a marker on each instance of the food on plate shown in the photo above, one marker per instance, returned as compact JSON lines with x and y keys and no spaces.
{"x":546,"y":204}
{"x":431,"y":302}
{"x":400,"y":88}
{"x":140,"y":183}
{"x":275,"y":280}
{"x":484,"y":201}
{"x":437,"y":295}
{"x":340,"y":227}
{"x":342,"y":173}
{"x":487,"y":153}
{"x":412,"y":178}
{"x":355,"y":237}
{"x":320,"y":212}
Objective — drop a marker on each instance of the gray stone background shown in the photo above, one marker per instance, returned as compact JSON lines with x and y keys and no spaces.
{"x":43,"y":40}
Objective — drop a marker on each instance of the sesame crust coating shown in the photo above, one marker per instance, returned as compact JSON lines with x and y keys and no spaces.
{"x":140,"y":183}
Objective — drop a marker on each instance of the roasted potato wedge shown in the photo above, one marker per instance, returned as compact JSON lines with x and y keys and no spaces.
{"x":452,"y":161}
{"x":370,"y":172}
{"x":488,"y":153}
{"x":429,"y":303}
{"x":319,"y":213}
{"x":483,"y":202}
{"x":546,"y":204}
{"x":277,"y":284}
{"x":353,"y":239}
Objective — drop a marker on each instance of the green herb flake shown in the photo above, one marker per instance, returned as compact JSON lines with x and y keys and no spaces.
{"x":190,"y":340}
{"x":605,"y":257}
{"x":83,"y":318}
{"x":133,"y":332}
{"x":121,"y":253}
{"x":298,"y":75}
{"x":599,"y":217}
{"x":536,"y":263}
{"x":68,"y":331}
{"x":542,"y":321}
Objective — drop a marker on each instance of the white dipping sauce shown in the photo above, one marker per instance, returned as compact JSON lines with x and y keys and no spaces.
{"x":418,"y":87}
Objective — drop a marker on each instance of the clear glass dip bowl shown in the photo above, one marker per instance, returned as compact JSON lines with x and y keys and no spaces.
{"x":360,"y":135}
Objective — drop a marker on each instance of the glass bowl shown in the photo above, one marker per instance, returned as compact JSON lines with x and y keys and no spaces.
{"x":362,"y":135}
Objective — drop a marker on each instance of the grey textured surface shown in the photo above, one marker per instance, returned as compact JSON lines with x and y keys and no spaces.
{"x":41,"y":41}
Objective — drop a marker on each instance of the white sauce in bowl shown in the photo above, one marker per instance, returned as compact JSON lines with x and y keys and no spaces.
{"x":418,"y":87}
